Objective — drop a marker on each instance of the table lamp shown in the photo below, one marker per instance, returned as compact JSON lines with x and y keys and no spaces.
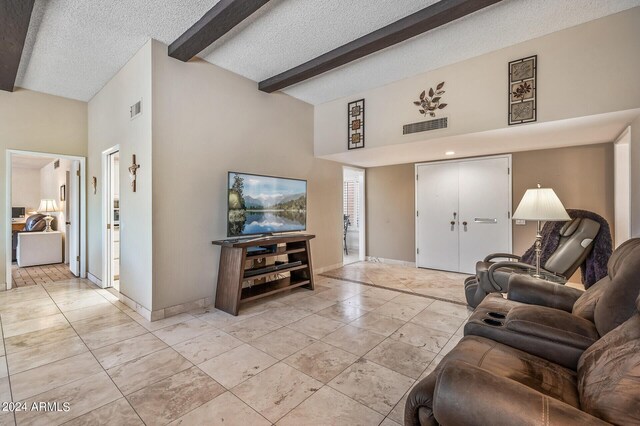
{"x":48,"y":206}
{"x":540,"y":204}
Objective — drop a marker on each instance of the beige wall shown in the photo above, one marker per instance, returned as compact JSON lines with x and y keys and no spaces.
{"x":32,"y":121}
{"x":110,"y":125}
{"x":390,"y":201}
{"x":572,"y":65}
{"x":581,"y":176}
{"x":635,"y":178}
{"x":25,"y":187}
{"x":206,"y":122}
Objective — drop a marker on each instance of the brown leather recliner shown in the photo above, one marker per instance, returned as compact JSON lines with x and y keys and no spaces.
{"x":482,"y":382}
{"x":557,"y":322}
{"x":576,"y":242}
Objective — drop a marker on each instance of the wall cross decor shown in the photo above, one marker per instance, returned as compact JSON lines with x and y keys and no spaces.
{"x":133,"y":171}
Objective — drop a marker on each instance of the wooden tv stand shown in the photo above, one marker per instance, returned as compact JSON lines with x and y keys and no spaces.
{"x":237,"y":278}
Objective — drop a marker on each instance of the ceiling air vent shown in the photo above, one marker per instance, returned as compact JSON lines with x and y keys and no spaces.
{"x":135,"y":109}
{"x":423,"y":126}
{"x":56,"y":164}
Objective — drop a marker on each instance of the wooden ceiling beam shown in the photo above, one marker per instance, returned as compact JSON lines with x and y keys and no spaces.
{"x":431,"y":17}
{"x":15,"y":16}
{"x":218,"y":21}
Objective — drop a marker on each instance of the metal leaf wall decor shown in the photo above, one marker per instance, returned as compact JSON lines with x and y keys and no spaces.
{"x":429,"y":103}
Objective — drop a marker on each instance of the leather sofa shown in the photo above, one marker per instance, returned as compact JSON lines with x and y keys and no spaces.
{"x":482,"y":382}
{"x":556,"y":322}
{"x":576,"y":242}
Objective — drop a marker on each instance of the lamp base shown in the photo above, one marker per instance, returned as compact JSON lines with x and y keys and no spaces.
{"x":538,"y":250}
{"x":48,"y":219}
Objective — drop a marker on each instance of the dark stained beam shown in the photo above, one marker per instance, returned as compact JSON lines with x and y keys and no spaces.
{"x":222,"y":17}
{"x":14,"y":24}
{"x":422,"y":21}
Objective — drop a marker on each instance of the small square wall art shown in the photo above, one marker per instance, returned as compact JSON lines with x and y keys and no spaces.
{"x":355,"y":131}
{"x":523,"y":90}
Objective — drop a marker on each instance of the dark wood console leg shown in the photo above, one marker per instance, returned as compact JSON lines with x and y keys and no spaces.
{"x":230,"y":277}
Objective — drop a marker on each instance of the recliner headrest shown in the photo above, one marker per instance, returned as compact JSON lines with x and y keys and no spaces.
{"x":570,"y":227}
{"x":619,"y":301}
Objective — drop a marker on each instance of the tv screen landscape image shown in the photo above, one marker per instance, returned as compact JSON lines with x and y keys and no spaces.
{"x":265,"y":204}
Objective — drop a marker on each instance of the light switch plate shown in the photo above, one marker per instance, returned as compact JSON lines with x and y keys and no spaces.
{"x":521,"y":222}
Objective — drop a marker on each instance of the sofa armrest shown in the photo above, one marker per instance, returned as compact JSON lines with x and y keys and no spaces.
{"x":534,"y":291}
{"x":468,"y":395}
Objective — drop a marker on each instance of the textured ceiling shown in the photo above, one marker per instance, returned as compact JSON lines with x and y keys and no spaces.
{"x":75,"y":46}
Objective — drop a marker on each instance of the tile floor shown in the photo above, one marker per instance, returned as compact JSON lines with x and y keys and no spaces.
{"x":346,"y":354}
{"x":33,"y":275}
{"x":440,"y":285}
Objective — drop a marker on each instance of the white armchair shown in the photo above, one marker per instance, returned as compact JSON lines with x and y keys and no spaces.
{"x":39,"y":248}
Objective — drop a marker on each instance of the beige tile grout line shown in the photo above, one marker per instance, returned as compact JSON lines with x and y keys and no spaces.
{"x":168,"y":346}
{"x":15,"y":421}
{"x":94,"y":357}
{"x":229,"y":390}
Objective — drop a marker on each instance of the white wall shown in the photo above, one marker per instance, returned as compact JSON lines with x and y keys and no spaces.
{"x":584,"y":70}
{"x":25,"y":187}
{"x":109,"y":124}
{"x":206,"y":122}
{"x":32,"y":121}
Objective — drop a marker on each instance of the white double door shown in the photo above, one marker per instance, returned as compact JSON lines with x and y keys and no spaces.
{"x":463,"y":212}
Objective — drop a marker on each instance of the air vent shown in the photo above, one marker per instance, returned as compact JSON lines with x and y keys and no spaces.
{"x":56,"y":164}
{"x":135,"y":109}
{"x":423,"y":126}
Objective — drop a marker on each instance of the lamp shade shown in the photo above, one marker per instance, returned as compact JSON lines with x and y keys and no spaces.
{"x":541,"y":204}
{"x":48,"y":205}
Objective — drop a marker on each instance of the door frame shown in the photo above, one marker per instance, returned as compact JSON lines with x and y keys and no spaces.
{"x":362,"y":229}
{"x":9,"y":153}
{"x":462,"y":160}
{"x":624,"y":139}
{"x":106,"y":250}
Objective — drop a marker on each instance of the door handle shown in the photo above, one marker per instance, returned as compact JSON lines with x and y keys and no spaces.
{"x":465,"y":225}
{"x":453,"y":222}
{"x":485,"y":220}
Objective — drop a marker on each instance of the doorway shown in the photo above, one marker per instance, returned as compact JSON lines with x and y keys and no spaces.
{"x":463,"y":212}
{"x":353,"y":215}
{"x":111,"y":218}
{"x":622,"y":185}
{"x":45,"y":238}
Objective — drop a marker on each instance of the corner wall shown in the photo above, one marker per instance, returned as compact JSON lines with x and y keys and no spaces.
{"x":110,"y":125}
{"x":208,"y":121}
{"x":581,"y":176}
{"x":390,"y":201}
{"x":33,"y":121}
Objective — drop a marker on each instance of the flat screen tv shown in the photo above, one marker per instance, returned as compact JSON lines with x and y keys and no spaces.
{"x":265,"y":204}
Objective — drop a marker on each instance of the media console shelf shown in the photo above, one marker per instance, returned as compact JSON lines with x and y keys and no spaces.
{"x":253,"y":268}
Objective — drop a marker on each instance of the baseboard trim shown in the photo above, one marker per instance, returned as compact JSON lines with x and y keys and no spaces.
{"x":97,"y":281}
{"x":327,"y":268}
{"x":391,"y":261}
